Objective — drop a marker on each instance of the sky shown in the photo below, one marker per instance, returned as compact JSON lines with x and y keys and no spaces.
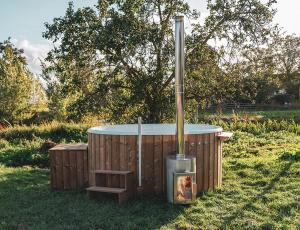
{"x":23,"y":21}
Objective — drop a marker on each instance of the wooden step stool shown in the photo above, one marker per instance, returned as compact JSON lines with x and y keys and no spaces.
{"x":102,"y":184}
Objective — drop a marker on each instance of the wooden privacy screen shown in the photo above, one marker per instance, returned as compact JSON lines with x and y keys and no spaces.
{"x":69,"y":166}
{"x":116,"y":152}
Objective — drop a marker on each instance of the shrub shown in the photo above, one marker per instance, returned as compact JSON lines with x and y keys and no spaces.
{"x":3,"y":144}
{"x":22,"y":145}
{"x":57,"y":132}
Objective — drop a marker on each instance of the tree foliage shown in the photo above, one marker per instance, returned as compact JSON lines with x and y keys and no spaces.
{"x":269,"y":71}
{"x":16,"y":85}
{"x":118,"y":58}
{"x":286,"y":59}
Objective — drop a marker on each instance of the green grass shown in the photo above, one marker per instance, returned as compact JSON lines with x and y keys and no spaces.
{"x":280,"y":114}
{"x":275,"y":115}
{"x":261,"y":190}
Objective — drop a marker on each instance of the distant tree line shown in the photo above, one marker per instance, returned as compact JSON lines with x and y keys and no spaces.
{"x":116,"y":60}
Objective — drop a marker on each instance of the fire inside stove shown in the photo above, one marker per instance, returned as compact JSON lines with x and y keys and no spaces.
{"x":183,"y":187}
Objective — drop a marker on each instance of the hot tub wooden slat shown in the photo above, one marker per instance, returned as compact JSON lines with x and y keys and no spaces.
{"x":132,"y":156}
{"x":200,"y":162}
{"x":102,"y":152}
{"x":158,"y":162}
{"x":211,"y":160}
{"x":192,"y":140}
{"x":97,"y":153}
{"x":90,"y":153}
{"x":219,"y":162}
{"x":167,"y":150}
{"x":215,"y":161}
{"x":148,"y":159}
{"x":123,"y":157}
{"x":115,"y":159}
{"x":108,"y":157}
{"x":206,"y":162}
{"x":119,"y":152}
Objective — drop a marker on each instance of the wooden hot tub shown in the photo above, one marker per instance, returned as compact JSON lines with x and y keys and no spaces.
{"x":114,"y":147}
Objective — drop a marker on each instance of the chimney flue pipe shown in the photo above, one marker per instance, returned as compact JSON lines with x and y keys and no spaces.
{"x":179,"y":85}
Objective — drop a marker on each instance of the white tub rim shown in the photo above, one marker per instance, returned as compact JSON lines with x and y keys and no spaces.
{"x":153,"y":129}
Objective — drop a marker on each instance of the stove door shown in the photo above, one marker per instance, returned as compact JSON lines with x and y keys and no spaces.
{"x":184,"y":188}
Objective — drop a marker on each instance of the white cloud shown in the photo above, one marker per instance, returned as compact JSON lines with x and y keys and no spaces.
{"x":34,"y":53}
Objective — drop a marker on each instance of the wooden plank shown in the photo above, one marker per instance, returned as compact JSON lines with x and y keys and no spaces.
{"x":90,"y":153}
{"x":131,"y":149}
{"x":52,"y":169}
{"x":97,"y":151}
{"x":85,"y":167}
{"x":192,"y":145}
{"x":211,"y":160}
{"x":186,"y":145}
{"x":93,"y":157}
{"x":168,"y":146}
{"x":90,"y":159}
{"x":73,"y":170}
{"x":158,"y":164}
{"x":216,"y":174}
{"x":106,"y":189}
{"x":79,"y":167}
{"x":66,"y":169}
{"x":108,"y":157}
{"x":115,"y":160}
{"x":206,"y":162}
{"x":148,"y":166}
{"x":220,"y":162}
{"x":123,"y":159}
{"x":113,"y":172}
{"x":173,"y":145}
{"x":100,"y":180}
{"x":200,"y":162}
{"x":59,"y":170}
{"x":102,"y":152}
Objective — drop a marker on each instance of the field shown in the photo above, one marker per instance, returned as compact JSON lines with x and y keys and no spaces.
{"x":274,"y":115}
{"x":261,"y":185}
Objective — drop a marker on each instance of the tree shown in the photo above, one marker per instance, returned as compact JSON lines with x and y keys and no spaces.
{"x":263,"y":73}
{"x":16,"y":85}
{"x":286,"y":57}
{"x":254,"y":75}
{"x":130,"y":44}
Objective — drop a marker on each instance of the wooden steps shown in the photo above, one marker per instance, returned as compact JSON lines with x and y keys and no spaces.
{"x":103,"y":185}
{"x":114,"y":172}
{"x":106,"y":189}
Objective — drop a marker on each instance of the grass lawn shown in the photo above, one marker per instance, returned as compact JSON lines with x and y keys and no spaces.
{"x":261,"y":190}
{"x":278,"y":115}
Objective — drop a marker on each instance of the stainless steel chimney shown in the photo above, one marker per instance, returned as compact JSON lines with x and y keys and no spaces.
{"x":179,"y":85}
{"x":180,"y":170}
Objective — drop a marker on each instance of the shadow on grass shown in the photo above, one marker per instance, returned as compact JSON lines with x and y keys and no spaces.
{"x":290,"y":159}
{"x":27,"y":202}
